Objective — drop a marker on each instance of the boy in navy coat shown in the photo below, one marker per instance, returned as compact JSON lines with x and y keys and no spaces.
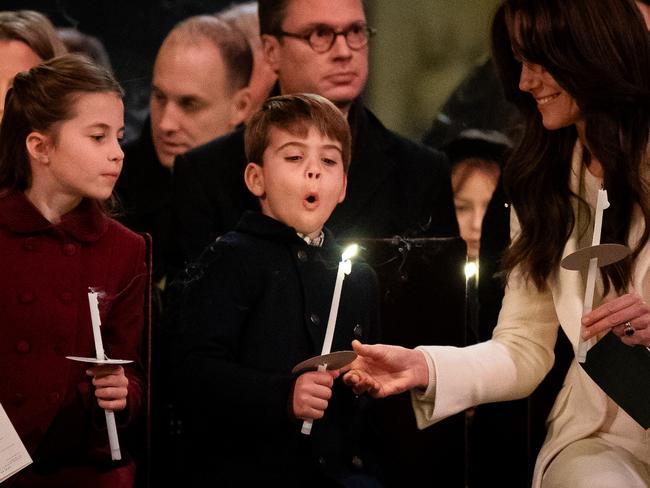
{"x":257,"y":304}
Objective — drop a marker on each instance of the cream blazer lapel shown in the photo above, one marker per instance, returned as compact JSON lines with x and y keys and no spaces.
{"x":566,"y":285}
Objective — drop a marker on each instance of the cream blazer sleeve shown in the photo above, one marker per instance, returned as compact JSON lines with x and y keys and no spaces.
{"x":507,"y":367}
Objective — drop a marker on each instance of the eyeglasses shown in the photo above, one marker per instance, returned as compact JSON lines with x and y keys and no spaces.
{"x":322,"y":37}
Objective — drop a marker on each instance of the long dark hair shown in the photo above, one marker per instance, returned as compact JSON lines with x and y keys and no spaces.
{"x":599,"y":52}
{"x":40,"y":99}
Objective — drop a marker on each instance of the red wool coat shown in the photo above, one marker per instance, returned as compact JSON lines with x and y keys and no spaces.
{"x":45,"y":273}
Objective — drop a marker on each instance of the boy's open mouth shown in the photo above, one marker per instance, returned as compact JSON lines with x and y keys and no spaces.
{"x":311,"y":198}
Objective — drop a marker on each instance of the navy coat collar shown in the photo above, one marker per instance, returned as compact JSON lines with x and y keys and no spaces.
{"x":258,"y":224}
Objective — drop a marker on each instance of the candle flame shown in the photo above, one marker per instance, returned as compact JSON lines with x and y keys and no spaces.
{"x":471,"y":269}
{"x":350,"y":252}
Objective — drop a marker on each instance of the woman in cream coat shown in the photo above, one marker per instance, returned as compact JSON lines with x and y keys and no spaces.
{"x":580,"y":73}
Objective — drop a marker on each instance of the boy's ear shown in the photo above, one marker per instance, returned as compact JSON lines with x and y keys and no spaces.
{"x":241,"y":107}
{"x":270,"y":47}
{"x":344,"y":188}
{"x":38,"y":147}
{"x":254,"y":178}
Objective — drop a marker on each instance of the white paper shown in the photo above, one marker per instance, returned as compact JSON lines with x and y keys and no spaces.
{"x":13,"y":455}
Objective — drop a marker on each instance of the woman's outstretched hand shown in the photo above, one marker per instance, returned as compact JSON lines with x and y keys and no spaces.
{"x":383,"y":370}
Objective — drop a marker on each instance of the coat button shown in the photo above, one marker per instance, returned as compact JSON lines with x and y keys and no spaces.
{"x":69,"y":249}
{"x":18,"y":399}
{"x":302,"y":256}
{"x":314,"y":319}
{"x":357,"y":462}
{"x":26,"y":297}
{"x":358,"y":332}
{"x":22,"y":347}
{"x":29,"y":244}
{"x":321,"y":461}
{"x":66,"y":297}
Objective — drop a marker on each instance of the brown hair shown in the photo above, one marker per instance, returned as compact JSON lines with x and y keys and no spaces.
{"x":272,"y":13}
{"x":40,"y":99}
{"x":229,"y":40}
{"x":34,"y":29}
{"x":599,"y":52}
{"x":464,"y":168}
{"x":296,"y":114}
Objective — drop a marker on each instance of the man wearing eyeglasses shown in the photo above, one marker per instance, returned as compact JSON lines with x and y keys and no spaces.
{"x":317,"y":50}
{"x":395,"y":186}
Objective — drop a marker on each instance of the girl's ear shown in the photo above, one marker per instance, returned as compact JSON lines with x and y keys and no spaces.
{"x":254,"y":178}
{"x":38,"y":147}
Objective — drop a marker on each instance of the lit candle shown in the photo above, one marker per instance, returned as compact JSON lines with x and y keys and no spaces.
{"x":601,"y":204}
{"x":345,"y":267}
{"x":113,"y":440}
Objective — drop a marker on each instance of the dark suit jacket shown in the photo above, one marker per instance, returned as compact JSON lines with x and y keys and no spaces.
{"x":144,"y":189}
{"x":44,"y":316}
{"x":395,"y":187}
{"x":257,"y":304}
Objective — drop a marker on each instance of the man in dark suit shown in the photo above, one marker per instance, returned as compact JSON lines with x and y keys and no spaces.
{"x":396,"y":186}
{"x":199,"y":92}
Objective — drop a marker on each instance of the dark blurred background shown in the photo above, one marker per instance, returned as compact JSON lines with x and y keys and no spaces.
{"x":423,"y":49}
{"x":131,"y":33}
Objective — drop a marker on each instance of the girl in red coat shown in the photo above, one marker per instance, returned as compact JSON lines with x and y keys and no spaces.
{"x":59,"y":159}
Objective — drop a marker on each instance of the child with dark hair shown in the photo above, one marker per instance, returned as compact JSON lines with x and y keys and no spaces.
{"x":60,"y":156}
{"x":476,"y":159}
{"x":259,"y":306}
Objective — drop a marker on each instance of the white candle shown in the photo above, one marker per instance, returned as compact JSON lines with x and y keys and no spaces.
{"x":95,"y":319}
{"x":601,"y":204}
{"x":345,"y":268}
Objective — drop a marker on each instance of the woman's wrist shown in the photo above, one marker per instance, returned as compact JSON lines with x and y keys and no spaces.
{"x":420,"y":370}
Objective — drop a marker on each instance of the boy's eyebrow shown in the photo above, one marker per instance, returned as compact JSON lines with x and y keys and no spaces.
{"x":303,"y":145}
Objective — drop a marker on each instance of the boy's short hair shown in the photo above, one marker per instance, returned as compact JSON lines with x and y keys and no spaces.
{"x":296,"y":114}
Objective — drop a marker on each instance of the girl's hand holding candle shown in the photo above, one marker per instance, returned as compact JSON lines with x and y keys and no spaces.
{"x":111,"y":386}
